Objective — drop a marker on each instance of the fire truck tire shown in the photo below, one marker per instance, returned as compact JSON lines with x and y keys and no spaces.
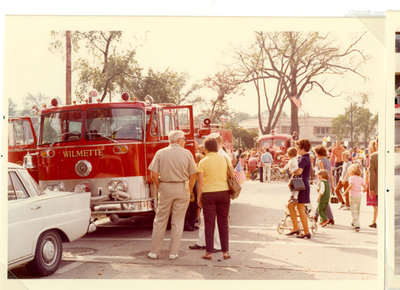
{"x":47,"y":254}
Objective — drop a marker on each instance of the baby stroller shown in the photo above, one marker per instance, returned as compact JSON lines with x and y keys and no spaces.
{"x":286,"y":223}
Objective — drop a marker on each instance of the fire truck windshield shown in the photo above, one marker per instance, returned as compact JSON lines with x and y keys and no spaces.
{"x":63,"y":126}
{"x":266,"y":143}
{"x":100,"y":124}
{"x":280,"y":142}
{"x":114,"y":123}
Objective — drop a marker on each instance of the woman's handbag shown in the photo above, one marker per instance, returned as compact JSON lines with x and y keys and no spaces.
{"x":234,"y":186}
{"x":297,"y":184}
{"x":334,"y":198}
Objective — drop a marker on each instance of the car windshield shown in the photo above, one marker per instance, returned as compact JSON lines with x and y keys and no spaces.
{"x":31,"y":184}
{"x":65,"y":126}
{"x":114,"y":124}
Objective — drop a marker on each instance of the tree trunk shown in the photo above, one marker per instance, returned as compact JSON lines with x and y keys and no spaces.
{"x":68,"y":68}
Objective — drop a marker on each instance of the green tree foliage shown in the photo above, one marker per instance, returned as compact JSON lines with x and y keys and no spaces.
{"x":111,"y":70}
{"x":38,"y":100}
{"x":364,"y":123}
{"x":165,"y":87}
{"x":224,"y":83}
{"x":12,"y":108}
{"x":247,"y":137}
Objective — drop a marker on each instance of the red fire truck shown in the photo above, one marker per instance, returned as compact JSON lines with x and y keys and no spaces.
{"x":105,"y":148}
{"x":277,"y":144}
{"x":207,"y":128}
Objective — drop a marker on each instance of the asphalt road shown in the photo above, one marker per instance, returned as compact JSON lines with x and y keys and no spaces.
{"x":258,"y":251}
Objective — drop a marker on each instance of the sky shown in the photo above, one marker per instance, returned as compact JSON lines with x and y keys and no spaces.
{"x":199,"y":46}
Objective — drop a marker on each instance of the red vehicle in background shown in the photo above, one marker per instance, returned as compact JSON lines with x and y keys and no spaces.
{"x":22,"y":141}
{"x":105,"y":148}
{"x":278,"y":145}
{"x":207,"y":128}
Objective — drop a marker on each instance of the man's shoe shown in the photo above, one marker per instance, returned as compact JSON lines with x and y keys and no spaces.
{"x":197,"y":247}
{"x":372,"y":225}
{"x":332,"y":222}
{"x":173,"y":257}
{"x":357,"y":229}
{"x":152,"y":255}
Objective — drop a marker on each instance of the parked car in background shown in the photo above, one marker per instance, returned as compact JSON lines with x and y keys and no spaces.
{"x":39,"y":221}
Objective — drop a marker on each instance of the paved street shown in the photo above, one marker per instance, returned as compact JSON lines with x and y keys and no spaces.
{"x":258,"y":251}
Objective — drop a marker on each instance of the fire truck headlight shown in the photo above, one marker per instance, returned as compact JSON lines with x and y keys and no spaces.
{"x":111,"y":186}
{"x":122,"y":186}
{"x":117,"y":185}
{"x":55,"y":187}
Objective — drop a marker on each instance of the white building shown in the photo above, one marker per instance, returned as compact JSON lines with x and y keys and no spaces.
{"x":311,"y":128}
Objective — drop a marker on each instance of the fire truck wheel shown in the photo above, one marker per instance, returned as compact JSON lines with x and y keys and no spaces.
{"x":47,"y":254}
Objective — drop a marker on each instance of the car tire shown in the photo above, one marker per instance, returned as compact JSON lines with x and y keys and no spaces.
{"x":48,"y":254}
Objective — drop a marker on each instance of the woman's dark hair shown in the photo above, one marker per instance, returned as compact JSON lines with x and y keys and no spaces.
{"x":321,"y":151}
{"x":304,"y":144}
{"x":211,"y":144}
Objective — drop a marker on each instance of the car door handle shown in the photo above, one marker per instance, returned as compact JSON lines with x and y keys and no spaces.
{"x":35,"y":207}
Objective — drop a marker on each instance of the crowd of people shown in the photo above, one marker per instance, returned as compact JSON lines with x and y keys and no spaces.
{"x":338,"y":171}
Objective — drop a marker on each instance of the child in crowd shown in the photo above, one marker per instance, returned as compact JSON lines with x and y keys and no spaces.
{"x":344,"y":181}
{"x":324,"y":195}
{"x":356,"y":186}
{"x":291,"y":167}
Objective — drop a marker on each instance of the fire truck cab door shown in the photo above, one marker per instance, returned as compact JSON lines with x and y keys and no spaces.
{"x":21,"y":140}
{"x":180,"y":118}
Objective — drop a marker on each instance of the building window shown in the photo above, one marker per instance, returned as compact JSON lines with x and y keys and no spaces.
{"x":285,"y":130}
{"x":397,"y":41}
{"x":321,"y":130}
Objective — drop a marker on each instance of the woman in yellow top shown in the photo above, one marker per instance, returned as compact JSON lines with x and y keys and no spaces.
{"x":213,"y":196}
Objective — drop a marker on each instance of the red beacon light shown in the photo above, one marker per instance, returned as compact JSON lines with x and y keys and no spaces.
{"x":74,"y":102}
{"x":54,"y":102}
{"x":98,"y":100}
{"x":125,"y":96}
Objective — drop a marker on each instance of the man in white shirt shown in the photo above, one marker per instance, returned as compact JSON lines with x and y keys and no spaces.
{"x":267,"y":160}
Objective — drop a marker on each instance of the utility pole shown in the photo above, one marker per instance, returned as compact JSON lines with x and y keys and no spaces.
{"x":68,"y":68}
{"x":351,"y":124}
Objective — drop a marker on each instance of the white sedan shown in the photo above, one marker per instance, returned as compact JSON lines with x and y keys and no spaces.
{"x":39,"y":221}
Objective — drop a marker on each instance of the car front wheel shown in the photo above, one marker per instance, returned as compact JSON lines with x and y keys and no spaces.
{"x":48,"y":254}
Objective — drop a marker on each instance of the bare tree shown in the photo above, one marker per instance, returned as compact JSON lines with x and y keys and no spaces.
{"x":292,"y":64}
{"x":224,"y":83}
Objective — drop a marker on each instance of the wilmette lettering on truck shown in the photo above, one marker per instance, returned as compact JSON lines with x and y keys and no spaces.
{"x":83,"y":153}
{"x":105,"y":148}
